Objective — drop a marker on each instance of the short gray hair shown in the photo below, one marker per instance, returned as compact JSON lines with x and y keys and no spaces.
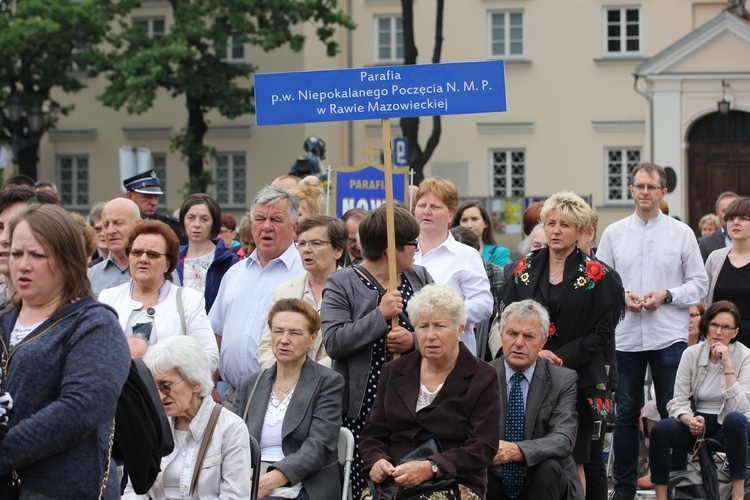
{"x":525,"y":246}
{"x":95,"y":214}
{"x":184,"y":354}
{"x":270,"y":195}
{"x":437,"y":298}
{"x":527,"y":309}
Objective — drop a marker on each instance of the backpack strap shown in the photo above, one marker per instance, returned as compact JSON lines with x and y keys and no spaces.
{"x":181,"y":310}
{"x":252,"y":393}
{"x":207,"y":435}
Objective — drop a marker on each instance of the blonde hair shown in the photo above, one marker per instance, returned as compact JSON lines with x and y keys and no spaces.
{"x":310,"y":192}
{"x":570,"y":206}
{"x":442,"y":188}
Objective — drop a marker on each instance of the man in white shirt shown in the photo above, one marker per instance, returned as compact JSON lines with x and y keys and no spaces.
{"x":663,"y":275}
{"x":241,"y":306}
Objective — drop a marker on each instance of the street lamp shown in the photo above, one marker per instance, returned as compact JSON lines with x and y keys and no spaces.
{"x":723,"y":104}
{"x":22,"y":135}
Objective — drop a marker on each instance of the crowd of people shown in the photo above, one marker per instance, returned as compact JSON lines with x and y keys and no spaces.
{"x":484,"y":374}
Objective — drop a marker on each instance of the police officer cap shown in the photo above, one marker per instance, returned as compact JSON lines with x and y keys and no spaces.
{"x":145,"y":183}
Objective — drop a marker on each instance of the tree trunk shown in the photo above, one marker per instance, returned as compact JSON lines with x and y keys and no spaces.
{"x":193,"y":148}
{"x":28,"y":157}
{"x":417,"y":156}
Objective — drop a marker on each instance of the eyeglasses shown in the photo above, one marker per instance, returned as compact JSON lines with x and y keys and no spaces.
{"x":312,"y":243}
{"x":738,"y":218}
{"x":414,"y":244}
{"x":138,"y":253}
{"x":717,"y":327}
{"x":644,"y":187}
{"x":166,"y":389}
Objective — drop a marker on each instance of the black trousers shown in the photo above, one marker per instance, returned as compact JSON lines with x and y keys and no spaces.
{"x":546,"y":480}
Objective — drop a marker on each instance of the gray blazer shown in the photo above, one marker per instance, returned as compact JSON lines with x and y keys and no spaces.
{"x":310,"y":432}
{"x":549,"y":429}
{"x":711,"y":242}
{"x":351,"y":324}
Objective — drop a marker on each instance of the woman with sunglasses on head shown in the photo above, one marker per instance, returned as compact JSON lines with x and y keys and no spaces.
{"x":150,"y":306}
{"x":728,"y":268}
{"x":357,"y":309}
{"x":183,"y":378}
{"x":711,"y":399}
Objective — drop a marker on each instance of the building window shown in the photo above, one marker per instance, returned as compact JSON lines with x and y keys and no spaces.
{"x":159,"y":164}
{"x":80,"y":49}
{"x":234,"y":51}
{"x":389,"y":39}
{"x":73,"y":181}
{"x":153,"y":26}
{"x":620,"y":165}
{"x":506,"y":34}
{"x":229,"y":174}
{"x":622,"y":30}
{"x":508,"y":173}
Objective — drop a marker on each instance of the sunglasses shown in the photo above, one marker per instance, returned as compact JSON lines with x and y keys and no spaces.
{"x":138,"y":253}
{"x":166,"y":389}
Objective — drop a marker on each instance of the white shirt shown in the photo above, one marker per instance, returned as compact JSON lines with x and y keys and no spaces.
{"x":661,"y":254}
{"x":241,"y":309}
{"x":460,"y":267}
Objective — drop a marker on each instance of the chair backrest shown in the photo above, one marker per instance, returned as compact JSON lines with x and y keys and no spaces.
{"x":255,"y":457}
{"x":346,"y":456}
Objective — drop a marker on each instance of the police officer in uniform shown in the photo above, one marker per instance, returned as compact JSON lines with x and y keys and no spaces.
{"x":144,"y":189}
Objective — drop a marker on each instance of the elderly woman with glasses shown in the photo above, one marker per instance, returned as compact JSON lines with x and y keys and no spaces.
{"x":321,"y":241}
{"x":357,"y":309}
{"x":183,"y":378}
{"x":711,"y":399}
{"x":149,"y":306}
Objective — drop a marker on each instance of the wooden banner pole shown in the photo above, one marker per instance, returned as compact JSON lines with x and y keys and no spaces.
{"x":389,"y":211}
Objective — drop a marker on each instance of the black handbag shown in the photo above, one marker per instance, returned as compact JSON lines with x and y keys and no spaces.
{"x":389,"y":490}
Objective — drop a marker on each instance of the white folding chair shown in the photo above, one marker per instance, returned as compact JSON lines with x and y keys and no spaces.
{"x":346,"y":457}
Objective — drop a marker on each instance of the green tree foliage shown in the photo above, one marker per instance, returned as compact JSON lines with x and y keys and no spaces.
{"x":188,"y":60}
{"x":42,"y":40}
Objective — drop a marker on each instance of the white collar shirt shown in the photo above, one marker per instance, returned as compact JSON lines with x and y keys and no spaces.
{"x":460,"y":267}
{"x":241,"y":309}
{"x":660,"y":254}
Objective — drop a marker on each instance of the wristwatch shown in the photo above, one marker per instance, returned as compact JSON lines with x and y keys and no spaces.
{"x":668,"y":299}
{"x":434,"y":468}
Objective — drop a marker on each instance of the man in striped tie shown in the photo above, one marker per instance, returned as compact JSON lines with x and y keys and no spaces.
{"x":533,"y":459}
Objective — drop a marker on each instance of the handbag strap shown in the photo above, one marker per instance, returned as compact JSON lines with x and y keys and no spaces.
{"x":381,"y":290}
{"x":252,"y":393}
{"x":181,"y":310}
{"x":207,"y":435}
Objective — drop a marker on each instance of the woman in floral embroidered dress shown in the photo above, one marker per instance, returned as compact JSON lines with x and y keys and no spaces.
{"x":585,"y":301}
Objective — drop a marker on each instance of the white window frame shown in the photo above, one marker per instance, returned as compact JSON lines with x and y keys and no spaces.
{"x":231,"y":45}
{"x":511,"y":191}
{"x":235,"y":198}
{"x":392,"y":44}
{"x":150,"y":25}
{"x":161,"y":173}
{"x":507,"y":39}
{"x":627,"y":163}
{"x":74,"y":194}
{"x":623,"y":52}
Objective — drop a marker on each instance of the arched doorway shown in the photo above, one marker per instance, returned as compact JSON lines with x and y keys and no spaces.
{"x":718,"y":160}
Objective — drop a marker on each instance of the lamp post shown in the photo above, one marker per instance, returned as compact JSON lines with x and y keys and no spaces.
{"x":25,"y":132}
{"x":723,"y":104}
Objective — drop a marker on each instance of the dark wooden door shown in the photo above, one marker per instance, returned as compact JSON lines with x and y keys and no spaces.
{"x":718,"y":160}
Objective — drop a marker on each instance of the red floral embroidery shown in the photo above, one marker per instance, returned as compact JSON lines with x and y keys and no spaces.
{"x":594,"y":270}
{"x":520,"y":267}
{"x":552,"y":330}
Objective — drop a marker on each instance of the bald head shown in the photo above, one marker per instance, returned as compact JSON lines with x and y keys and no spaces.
{"x":119,"y":218}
